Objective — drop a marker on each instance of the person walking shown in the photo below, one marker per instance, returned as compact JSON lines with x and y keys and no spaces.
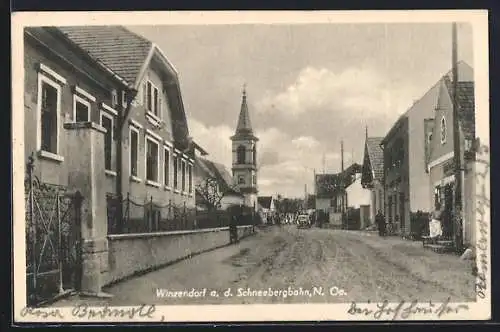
{"x":380,"y":220}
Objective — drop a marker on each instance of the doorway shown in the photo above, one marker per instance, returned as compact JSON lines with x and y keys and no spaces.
{"x":447,"y":216}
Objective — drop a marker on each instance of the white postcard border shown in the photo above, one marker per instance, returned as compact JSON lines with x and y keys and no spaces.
{"x":282,"y":312}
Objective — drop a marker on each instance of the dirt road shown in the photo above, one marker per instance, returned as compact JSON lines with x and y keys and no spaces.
{"x":290,"y":265}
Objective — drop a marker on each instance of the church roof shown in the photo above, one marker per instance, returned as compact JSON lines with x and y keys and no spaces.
{"x":244,"y":126}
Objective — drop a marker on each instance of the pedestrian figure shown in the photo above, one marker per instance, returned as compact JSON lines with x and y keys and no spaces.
{"x":233,"y":229}
{"x":380,"y":220}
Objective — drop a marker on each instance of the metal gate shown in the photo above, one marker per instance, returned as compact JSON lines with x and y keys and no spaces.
{"x":53,"y":239}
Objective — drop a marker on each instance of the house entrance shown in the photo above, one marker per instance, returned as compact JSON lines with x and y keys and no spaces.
{"x":447,"y":211}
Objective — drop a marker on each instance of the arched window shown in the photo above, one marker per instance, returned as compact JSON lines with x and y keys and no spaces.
{"x":240,"y":152}
{"x":254,"y":155}
{"x":443,"y":130}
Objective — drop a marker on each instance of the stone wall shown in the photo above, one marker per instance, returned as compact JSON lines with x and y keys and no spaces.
{"x":134,"y":253}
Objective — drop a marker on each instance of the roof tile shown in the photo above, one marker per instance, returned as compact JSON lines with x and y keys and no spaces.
{"x":376,"y":155}
{"x":117,"y":48}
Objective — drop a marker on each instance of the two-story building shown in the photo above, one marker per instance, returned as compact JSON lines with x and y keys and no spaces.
{"x":441,"y":163}
{"x":149,"y":155}
{"x":406,"y":183}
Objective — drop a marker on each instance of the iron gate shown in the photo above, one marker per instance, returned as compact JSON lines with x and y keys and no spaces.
{"x":53,"y":239}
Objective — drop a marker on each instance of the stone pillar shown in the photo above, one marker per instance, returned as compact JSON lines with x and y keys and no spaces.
{"x":85,"y":162}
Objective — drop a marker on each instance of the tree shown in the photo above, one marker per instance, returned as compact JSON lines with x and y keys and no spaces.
{"x":212,"y":193}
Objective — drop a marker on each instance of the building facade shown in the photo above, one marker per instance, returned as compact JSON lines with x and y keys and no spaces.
{"x":406,"y":185}
{"x":244,"y":152}
{"x":149,"y":155}
{"x":441,"y":166}
{"x":63,"y":86}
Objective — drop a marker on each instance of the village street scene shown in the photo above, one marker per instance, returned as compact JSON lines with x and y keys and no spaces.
{"x":249,"y":164}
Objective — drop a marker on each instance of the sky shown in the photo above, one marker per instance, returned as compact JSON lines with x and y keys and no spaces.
{"x":309,"y":87}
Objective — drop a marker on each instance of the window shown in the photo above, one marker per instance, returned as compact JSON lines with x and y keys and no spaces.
{"x":190,"y":179}
{"x":153,"y":99}
{"x":134,"y":148}
{"x":49,"y":103}
{"x":254,"y":179}
{"x":166,"y":167}
{"x":107,"y":123}
{"x":81,"y":109}
{"x":468,"y":144}
{"x":152,"y":157}
{"x":114,"y":98}
{"x":443,"y":130}
{"x":183,"y":169}
{"x":380,"y":200}
{"x":240,"y":154}
{"x":174,"y":162}
{"x":124,"y":99}
{"x":254,"y":155}
{"x":241,"y":179}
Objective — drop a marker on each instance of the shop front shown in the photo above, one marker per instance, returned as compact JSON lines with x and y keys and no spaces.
{"x":443,"y":184}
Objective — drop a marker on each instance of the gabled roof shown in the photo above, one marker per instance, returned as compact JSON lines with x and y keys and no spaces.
{"x":465,"y":73}
{"x":328,"y":185}
{"x":465,"y":100}
{"x":116,"y":47}
{"x":129,"y":55}
{"x":376,"y":156}
{"x":265,"y":201}
{"x":208,"y":169}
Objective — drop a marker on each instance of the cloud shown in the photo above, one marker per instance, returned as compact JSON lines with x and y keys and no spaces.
{"x":300,"y":128}
{"x":285,"y":163}
{"x":357,"y":91}
{"x":214,"y":139}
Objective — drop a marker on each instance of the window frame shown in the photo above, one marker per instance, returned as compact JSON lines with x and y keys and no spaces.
{"x":158,"y":145}
{"x":443,"y":130}
{"x":45,"y":79}
{"x":175,"y":171}
{"x":151,"y":88}
{"x":190,"y":177}
{"x":83,"y":101}
{"x":184,"y":175}
{"x":136,"y":130}
{"x":109,"y":171}
{"x":166,"y":166}
{"x":239,"y":149}
{"x":240,"y":177}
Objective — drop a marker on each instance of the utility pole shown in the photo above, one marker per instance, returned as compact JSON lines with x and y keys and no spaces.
{"x":457,"y":151}
{"x":342,"y":185}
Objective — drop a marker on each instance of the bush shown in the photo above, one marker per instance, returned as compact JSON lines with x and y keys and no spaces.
{"x":419,"y":222}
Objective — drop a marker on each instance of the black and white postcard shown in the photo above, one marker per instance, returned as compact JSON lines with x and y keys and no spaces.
{"x":251,"y":166}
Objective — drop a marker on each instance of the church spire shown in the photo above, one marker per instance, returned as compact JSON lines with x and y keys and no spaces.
{"x":244,"y":125}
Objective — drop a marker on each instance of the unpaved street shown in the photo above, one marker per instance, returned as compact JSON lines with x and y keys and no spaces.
{"x":285,"y":263}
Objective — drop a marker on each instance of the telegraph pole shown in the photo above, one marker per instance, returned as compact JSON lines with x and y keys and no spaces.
{"x":457,"y":151}
{"x":342,"y":187}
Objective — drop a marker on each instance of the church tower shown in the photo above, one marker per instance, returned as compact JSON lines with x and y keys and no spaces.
{"x":245,"y":156}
